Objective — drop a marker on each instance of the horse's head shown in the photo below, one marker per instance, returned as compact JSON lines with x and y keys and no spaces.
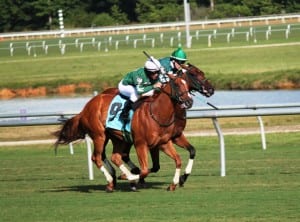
{"x":179,"y":91}
{"x":197,"y":81}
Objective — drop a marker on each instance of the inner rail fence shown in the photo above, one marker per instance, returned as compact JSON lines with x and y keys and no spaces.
{"x":55,"y":118}
{"x":210,"y":37}
{"x":210,"y":32}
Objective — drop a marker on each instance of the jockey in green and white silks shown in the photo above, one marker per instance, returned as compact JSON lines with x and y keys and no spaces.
{"x":140,"y":82}
{"x":172,"y":64}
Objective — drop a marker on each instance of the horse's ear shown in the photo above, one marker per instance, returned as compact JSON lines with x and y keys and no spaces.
{"x":190,"y":65}
{"x":185,"y":66}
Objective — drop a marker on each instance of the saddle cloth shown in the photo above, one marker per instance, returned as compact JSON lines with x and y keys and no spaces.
{"x":113,"y":116}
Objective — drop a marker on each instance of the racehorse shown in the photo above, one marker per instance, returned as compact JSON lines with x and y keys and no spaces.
{"x":156,"y":114}
{"x":94,"y":125}
{"x":196,"y":82}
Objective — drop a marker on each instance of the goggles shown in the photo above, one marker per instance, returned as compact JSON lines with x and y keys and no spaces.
{"x":181,"y":62}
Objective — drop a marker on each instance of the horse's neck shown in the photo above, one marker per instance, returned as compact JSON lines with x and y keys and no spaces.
{"x":180,"y":112}
{"x":186,"y":78}
{"x":163,"y":104}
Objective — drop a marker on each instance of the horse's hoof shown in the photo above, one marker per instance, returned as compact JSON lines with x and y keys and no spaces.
{"x":109,"y":187}
{"x":142,"y":183}
{"x":172,"y":187}
{"x":133,"y":187}
{"x":122,"y":177}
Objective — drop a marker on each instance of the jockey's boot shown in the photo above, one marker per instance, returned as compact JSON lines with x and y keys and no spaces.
{"x":124,"y":116}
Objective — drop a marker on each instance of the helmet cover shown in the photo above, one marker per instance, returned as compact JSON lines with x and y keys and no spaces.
{"x":179,"y":55}
{"x":152,"y":65}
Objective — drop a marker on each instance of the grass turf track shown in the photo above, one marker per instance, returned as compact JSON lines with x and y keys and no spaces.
{"x":260,"y":185}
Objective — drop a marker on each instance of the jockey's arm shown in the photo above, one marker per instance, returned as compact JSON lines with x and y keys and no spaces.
{"x":143,"y":89}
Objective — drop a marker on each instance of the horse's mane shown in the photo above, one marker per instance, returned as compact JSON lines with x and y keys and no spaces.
{"x":191,"y":67}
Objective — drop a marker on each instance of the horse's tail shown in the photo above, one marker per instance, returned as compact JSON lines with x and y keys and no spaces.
{"x":70,"y":131}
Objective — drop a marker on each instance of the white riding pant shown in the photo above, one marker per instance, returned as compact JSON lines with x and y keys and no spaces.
{"x":129,"y":91}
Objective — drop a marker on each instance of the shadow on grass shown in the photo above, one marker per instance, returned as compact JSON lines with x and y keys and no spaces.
{"x":120,"y":187}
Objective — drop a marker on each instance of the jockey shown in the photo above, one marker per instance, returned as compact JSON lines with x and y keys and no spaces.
{"x":172,"y":64}
{"x":140,"y":82}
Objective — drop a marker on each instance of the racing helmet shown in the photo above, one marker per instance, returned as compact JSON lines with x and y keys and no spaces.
{"x":152,"y":65}
{"x":179,"y":55}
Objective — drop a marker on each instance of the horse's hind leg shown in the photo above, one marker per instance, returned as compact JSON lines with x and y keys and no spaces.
{"x":170,"y":150}
{"x":182,"y":142}
{"x":108,"y":165}
{"x":118,"y":147}
{"x":126,"y":158}
{"x":97,"y":159}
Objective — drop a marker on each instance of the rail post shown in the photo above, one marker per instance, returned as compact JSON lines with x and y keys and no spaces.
{"x":222,"y":146}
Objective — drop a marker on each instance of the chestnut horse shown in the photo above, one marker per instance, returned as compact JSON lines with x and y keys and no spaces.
{"x":156,"y":114}
{"x":94,"y":124}
{"x":196,"y":82}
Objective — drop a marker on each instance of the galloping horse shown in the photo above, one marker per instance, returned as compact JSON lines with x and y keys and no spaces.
{"x":196,"y":82}
{"x":92,"y":121}
{"x":156,"y":114}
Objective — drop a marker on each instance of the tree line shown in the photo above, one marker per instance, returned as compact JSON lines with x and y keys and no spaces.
{"x":27,"y":15}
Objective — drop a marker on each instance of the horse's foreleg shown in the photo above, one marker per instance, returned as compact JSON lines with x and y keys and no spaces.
{"x":155,"y":164}
{"x":142,"y":154}
{"x":155,"y":160}
{"x":182,"y":142}
{"x":170,"y":150}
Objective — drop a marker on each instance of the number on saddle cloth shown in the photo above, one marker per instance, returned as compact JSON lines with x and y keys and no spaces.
{"x":113,"y":115}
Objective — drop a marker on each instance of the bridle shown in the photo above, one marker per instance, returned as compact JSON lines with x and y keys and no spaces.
{"x":176,"y":96}
{"x":196,"y":83}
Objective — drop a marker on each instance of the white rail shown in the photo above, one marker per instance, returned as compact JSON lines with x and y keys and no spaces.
{"x":156,"y":27}
{"x":7,"y":120}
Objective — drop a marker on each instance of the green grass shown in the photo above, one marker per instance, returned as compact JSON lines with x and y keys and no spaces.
{"x":235,"y":65}
{"x":259,"y":186}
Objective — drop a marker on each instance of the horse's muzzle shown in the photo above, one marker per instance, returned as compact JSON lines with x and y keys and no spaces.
{"x":207,"y":92}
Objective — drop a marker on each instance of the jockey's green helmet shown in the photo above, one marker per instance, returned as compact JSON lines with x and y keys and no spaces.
{"x":179,"y":55}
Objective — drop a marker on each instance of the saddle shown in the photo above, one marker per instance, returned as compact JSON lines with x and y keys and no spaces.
{"x":113,"y":120}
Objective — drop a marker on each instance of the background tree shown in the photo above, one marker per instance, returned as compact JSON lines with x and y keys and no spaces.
{"x":20,"y":15}
{"x":119,"y":16}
